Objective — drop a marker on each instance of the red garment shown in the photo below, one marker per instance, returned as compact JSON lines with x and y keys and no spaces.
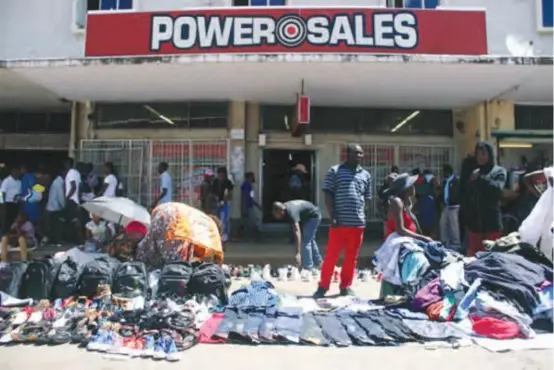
{"x":409,"y":224}
{"x":494,"y":328}
{"x":476,"y":241}
{"x":207,"y":330}
{"x":347,"y":238}
{"x":135,"y":227}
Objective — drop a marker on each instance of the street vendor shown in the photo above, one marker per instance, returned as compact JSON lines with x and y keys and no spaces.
{"x":400,"y":219}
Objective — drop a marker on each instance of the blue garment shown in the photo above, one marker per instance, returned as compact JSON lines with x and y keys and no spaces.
{"x":427,"y":211}
{"x":257,"y":294}
{"x":351,"y":188}
{"x":310,"y":250}
{"x":224,"y":217}
{"x":447,"y":188}
{"x":31,"y":210}
{"x":414,"y":266}
{"x":246,"y":191}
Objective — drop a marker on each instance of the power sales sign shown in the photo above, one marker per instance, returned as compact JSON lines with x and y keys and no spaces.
{"x":286,"y":30}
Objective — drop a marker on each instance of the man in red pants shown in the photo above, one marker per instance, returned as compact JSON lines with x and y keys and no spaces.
{"x":347,"y":187}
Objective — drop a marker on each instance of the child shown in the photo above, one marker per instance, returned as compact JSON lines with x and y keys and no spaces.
{"x":98,"y":232}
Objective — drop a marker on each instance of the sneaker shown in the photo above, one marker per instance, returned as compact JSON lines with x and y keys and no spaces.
{"x":94,"y":342}
{"x":159,"y":350}
{"x":149,"y":346}
{"x":171,"y":350}
{"x":306,"y":276}
{"x":319,"y":293}
{"x":347,"y":292}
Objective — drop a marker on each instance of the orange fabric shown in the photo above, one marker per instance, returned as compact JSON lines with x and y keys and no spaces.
{"x":434,"y":311}
{"x":409,"y":224}
{"x":190,"y":226}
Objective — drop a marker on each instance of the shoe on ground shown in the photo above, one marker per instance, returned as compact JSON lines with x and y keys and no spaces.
{"x":160,"y":352}
{"x":149,"y":346}
{"x":172,"y":354}
{"x":347,"y":292}
{"x":319,"y":293}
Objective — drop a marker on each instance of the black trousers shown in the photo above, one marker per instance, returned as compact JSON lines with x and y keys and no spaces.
{"x":12,"y":209}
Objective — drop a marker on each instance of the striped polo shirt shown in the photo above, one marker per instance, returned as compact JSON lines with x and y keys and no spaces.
{"x":350,"y":188}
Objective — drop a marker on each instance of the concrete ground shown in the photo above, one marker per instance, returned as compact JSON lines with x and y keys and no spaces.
{"x":244,"y":357}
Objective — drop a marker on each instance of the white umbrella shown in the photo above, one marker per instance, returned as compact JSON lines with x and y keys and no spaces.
{"x":118,"y":210}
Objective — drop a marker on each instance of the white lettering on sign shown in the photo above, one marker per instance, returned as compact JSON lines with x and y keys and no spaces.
{"x":388,"y":30}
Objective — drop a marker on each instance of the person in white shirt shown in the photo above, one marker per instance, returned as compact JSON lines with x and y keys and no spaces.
{"x":110,"y":181}
{"x":10,"y":190}
{"x":98,"y":233}
{"x":72,"y":185}
{"x":55,"y":207}
{"x":166,"y":189}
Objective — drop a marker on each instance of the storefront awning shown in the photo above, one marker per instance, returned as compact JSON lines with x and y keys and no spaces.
{"x":422,"y":81}
{"x":523,"y":137}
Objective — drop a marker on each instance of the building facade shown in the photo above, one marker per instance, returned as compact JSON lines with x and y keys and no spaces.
{"x":208,"y":83}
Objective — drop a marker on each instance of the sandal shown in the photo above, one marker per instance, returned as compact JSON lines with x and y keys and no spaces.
{"x":30,"y":332}
{"x":58,"y":336}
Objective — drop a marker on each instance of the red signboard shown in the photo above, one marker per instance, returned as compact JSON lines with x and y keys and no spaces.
{"x":286,"y":30}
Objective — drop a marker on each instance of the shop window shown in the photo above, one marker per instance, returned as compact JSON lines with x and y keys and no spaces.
{"x":335,"y":119}
{"x":259,"y":2}
{"x":533,"y":117}
{"x":162,"y":115}
{"x":8,"y":122}
{"x":82,"y":7}
{"x":34,"y":122}
{"x":413,"y":4}
{"x":545,"y":15}
{"x":276,"y":117}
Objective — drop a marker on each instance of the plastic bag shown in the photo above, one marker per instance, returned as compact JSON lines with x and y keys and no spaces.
{"x":538,"y":225}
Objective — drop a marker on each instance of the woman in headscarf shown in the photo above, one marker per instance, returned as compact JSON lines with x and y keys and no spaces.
{"x":176,"y":231}
{"x":124,"y":246}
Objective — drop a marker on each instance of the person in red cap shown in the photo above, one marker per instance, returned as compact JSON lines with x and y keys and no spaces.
{"x":125,"y":245}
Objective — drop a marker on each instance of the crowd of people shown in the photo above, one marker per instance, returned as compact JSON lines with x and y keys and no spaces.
{"x":460,"y":211}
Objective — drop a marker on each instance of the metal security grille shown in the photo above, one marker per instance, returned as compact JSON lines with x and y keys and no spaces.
{"x":137,"y":161}
{"x":188,"y":160}
{"x":425,"y":158}
{"x":379,"y":158}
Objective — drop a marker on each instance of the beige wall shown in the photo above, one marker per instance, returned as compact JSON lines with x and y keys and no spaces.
{"x":479,"y":121}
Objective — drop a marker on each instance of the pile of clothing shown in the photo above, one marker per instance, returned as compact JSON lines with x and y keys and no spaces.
{"x":258,"y":314}
{"x":503,"y":293}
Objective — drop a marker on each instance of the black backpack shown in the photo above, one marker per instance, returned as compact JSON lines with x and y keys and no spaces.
{"x":11,"y":276}
{"x":38,"y":279}
{"x":131,"y":280}
{"x":174,"y":280}
{"x":98,"y":271}
{"x":208,"y":279}
{"x":65,"y":283}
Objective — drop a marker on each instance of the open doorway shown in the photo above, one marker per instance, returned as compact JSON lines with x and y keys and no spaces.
{"x":277,"y":171}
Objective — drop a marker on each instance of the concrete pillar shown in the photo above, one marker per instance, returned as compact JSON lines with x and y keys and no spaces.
{"x":469,"y":126}
{"x":236,"y":125}
{"x":253,"y":126}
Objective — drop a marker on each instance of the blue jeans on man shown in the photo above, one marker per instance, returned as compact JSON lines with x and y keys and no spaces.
{"x":310,"y":254}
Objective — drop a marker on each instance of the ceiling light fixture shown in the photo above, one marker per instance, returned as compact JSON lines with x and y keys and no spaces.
{"x":406,"y":120}
{"x":161,"y":116}
{"x":508,"y":145}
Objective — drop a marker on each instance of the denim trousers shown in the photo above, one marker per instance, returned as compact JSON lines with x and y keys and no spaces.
{"x":310,"y":251}
{"x":224,"y":218}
